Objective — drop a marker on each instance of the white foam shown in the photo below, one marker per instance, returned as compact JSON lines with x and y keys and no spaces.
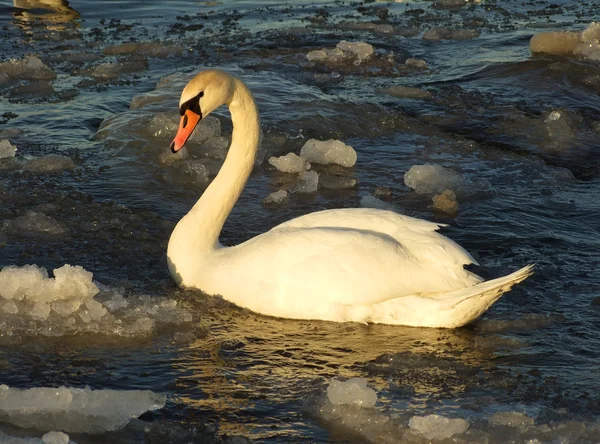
{"x":354,"y":391}
{"x":49,"y":164}
{"x":75,"y":410}
{"x":290,"y":163}
{"x":277,"y":198}
{"x":308,"y":182}
{"x":33,"y":304}
{"x":329,"y":152}
{"x":28,"y":68}
{"x":433,"y":179}
{"x":438,"y":427}
{"x":7,"y":149}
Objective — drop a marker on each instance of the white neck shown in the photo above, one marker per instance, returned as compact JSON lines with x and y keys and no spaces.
{"x":198,"y":231}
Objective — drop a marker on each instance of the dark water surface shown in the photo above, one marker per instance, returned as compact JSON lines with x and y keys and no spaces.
{"x":522,"y":129}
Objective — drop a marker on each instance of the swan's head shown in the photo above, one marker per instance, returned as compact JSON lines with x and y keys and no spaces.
{"x":203,"y":94}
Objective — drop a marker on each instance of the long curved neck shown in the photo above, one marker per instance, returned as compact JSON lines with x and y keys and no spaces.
{"x":201,"y":227}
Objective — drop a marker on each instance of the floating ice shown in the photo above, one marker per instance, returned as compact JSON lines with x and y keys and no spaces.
{"x":438,"y":427}
{"x":362,"y":51}
{"x":407,"y":92}
{"x":277,"y":198}
{"x":33,"y":304}
{"x":445,"y":202}
{"x":48,"y":438}
{"x":416,"y":63}
{"x":29,"y":68}
{"x":55,"y":438}
{"x":432,"y":179}
{"x":441,"y":33}
{"x":328,"y":152}
{"x":7,"y":149}
{"x":150,"y":49}
{"x":369,"y":201}
{"x":511,"y":419}
{"x":290,"y":163}
{"x":354,"y":391}
{"x":49,"y":164}
{"x":33,"y":222}
{"x":75,"y":410}
{"x":584,"y":44}
{"x":333,"y":182}
{"x":308,"y":182}
{"x":111,"y":70}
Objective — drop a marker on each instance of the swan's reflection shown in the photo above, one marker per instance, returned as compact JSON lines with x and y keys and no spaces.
{"x":53,"y":15}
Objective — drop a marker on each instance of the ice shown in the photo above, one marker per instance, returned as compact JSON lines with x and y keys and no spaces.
{"x":354,"y":391}
{"x":441,"y":33}
{"x":277,"y":198}
{"x":75,"y":410}
{"x":438,"y":427}
{"x":511,"y":419}
{"x":433,"y":179}
{"x":362,"y":51}
{"x":49,"y":164}
{"x":446,"y":202}
{"x":328,"y":152}
{"x":48,"y":438}
{"x":326,"y":55}
{"x":290,"y":163}
{"x":33,"y":304}
{"x":150,"y":49}
{"x":407,"y":92}
{"x":215,"y":148}
{"x":584,"y":44}
{"x":29,"y":68}
{"x":308,"y":182}
{"x":112,"y":70}
{"x":7,"y":149}
{"x":55,"y":438}
{"x":33,"y":222}
{"x":416,"y":63}
{"x":369,"y":201}
{"x":333,"y":182}
{"x":37,"y":88}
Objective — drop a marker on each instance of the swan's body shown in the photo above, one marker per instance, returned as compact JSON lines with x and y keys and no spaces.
{"x":362,"y":265}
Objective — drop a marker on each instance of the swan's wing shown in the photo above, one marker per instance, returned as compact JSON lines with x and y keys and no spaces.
{"x":416,"y":234}
{"x":320,"y":267}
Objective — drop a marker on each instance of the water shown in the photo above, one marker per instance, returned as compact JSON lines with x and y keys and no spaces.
{"x":521,"y":129}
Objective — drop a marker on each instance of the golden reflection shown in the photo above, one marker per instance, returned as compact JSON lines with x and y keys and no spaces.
{"x":54,"y":15}
{"x":250,"y":362}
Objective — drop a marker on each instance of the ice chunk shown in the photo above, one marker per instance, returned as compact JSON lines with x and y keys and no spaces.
{"x":215,"y":148}
{"x":33,"y":222}
{"x":441,"y":33}
{"x":308,"y":182}
{"x":354,"y":391}
{"x":111,"y":70}
{"x":49,"y":164}
{"x":416,"y":63}
{"x":445,"y":202}
{"x":511,"y":419}
{"x":75,"y":410}
{"x":438,"y":427}
{"x":432,"y":179}
{"x":29,"y":68}
{"x":369,"y":201}
{"x":408,"y":92}
{"x":150,"y":49}
{"x":585,"y":43}
{"x":290,"y":163}
{"x":326,"y":55}
{"x":38,"y":88}
{"x":277,"y":198}
{"x":7,"y":149}
{"x":362,"y":51}
{"x":328,"y":152}
{"x":333,"y":182}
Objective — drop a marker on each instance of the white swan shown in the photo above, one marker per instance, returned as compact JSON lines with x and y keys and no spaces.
{"x":356,"y":264}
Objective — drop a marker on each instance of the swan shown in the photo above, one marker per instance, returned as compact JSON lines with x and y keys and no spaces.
{"x":356,"y":264}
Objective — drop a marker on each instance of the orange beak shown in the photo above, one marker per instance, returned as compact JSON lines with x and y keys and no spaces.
{"x":186,"y":126}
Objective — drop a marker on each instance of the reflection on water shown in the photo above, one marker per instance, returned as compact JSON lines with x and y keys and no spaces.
{"x":54,"y":15}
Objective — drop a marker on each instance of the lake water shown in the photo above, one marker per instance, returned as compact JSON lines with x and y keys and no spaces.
{"x":521,"y":129}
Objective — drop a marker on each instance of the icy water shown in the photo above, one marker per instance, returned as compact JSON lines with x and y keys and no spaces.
{"x":521,"y":129}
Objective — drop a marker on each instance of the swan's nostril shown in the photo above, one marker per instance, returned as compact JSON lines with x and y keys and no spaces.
{"x":173,"y":147}
{"x":185,"y":120}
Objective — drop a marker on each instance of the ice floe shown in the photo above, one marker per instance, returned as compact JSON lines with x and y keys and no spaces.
{"x":308,"y":182}
{"x":445,"y":202}
{"x":369,"y":201}
{"x":433,"y":179}
{"x":354,"y":391}
{"x":583,"y":44}
{"x":32,"y":223}
{"x":436,"y":427}
{"x":150,"y":49}
{"x":7,"y":149}
{"x":279,"y":197}
{"x":358,"y":52}
{"x":51,"y":163}
{"x":47,"y":438}
{"x":28,"y":68}
{"x":290,"y":163}
{"x":407,"y":92}
{"x":34,"y":304}
{"x":75,"y":410}
{"x":441,"y":33}
{"x":329,"y":152}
